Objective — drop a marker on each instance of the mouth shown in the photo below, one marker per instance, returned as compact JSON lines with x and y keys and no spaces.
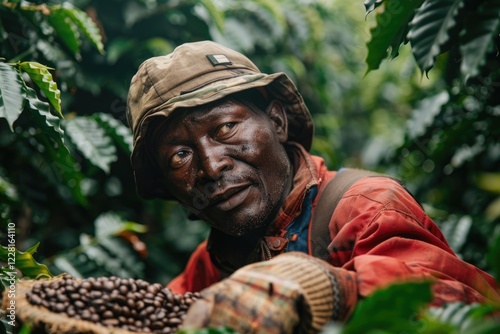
{"x":230,"y":197}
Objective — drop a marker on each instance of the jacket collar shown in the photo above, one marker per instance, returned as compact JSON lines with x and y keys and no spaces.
{"x":305,"y":177}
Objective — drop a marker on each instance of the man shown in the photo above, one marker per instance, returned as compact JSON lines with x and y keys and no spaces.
{"x":231,"y":145}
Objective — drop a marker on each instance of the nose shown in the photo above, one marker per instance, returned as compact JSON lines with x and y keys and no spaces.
{"x":213,"y":161}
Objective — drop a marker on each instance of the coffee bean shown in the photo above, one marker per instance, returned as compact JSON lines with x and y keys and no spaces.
{"x":111,"y":322}
{"x":70,"y":289}
{"x":86,"y":285}
{"x":123,"y":289}
{"x":107,"y":314}
{"x":50,"y":292}
{"x":79,"y":304}
{"x":108,"y":285}
{"x":62,"y":298}
{"x":125,"y":310}
{"x":139,"y":305}
{"x":94,"y":294}
{"x":35,"y":300}
{"x":98,"y":302}
{"x":59,"y":308}
{"x":148,"y":301}
{"x":161,"y":314}
{"x":157,"y":325}
{"x":174,"y":321}
{"x":86,"y":315}
{"x":126,"y":303}
{"x":131,"y":303}
{"x":36,"y":288}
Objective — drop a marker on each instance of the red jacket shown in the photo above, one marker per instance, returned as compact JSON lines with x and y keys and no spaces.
{"x":379,"y":234}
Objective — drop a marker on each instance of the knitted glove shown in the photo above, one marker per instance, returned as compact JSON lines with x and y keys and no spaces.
{"x":291,"y":293}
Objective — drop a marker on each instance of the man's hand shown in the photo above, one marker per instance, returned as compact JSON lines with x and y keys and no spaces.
{"x":291,"y":293}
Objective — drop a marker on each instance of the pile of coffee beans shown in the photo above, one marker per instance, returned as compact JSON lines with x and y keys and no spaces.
{"x":131,"y":304}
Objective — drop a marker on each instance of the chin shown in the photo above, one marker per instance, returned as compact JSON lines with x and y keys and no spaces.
{"x":250,"y":224}
{"x":248,"y":220}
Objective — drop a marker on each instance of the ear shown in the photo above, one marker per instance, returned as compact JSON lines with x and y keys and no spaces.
{"x":279,"y":121}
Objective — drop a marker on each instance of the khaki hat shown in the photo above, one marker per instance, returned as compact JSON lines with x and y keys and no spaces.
{"x":192,"y":75}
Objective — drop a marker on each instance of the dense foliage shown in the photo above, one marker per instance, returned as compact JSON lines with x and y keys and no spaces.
{"x":451,"y":153}
{"x":65,"y":177}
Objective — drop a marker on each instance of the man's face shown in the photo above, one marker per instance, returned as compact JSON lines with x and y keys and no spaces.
{"x":227,"y":164}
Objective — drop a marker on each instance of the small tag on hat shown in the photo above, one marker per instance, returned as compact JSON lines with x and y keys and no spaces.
{"x":218,"y":59}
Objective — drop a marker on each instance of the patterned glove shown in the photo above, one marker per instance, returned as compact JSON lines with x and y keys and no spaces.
{"x":291,"y":293}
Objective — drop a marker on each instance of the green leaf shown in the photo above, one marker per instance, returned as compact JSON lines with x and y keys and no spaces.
{"x":157,"y":45}
{"x":101,"y":257}
{"x":464,"y":318}
{"x":118,"y":47}
{"x":494,"y":255}
{"x":425,"y":113}
{"x":26,"y":329}
{"x":61,"y":169}
{"x":110,"y":224}
{"x":371,"y":5}
{"x":57,"y":160}
{"x":453,"y":313}
{"x":33,"y":248}
{"x":456,"y":229}
{"x":216,"y":15}
{"x":11,"y":94}
{"x":65,"y":28}
{"x":389,"y":31}
{"x":491,"y":212}
{"x":390,"y":309}
{"x":430,"y":28}
{"x":47,"y":123}
{"x":275,"y":8}
{"x":8,"y":193}
{"x":489,"y":182}
{"x":91,"y":139}
{"x":478,"y":37}
{"x":85,"y":23}
{"x":25,"y":262}
{"x":41,"y":76}
{"x":116,"y":130}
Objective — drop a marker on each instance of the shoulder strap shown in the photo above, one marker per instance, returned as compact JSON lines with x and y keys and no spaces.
{"x":330,"y":197}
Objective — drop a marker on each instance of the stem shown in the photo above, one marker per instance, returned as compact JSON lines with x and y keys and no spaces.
{"x":22,"y":55}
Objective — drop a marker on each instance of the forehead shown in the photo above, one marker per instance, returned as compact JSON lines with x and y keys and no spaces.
{"x":206,"y":115}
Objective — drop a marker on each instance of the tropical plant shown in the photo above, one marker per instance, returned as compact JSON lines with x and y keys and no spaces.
{"x":65,"y":178}
{"x":450,"y":155}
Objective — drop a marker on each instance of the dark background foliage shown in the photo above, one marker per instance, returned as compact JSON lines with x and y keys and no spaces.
{"x":430,"y":116}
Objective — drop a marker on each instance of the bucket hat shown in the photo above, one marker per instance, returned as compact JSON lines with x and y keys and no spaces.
{"x":195,"y":74}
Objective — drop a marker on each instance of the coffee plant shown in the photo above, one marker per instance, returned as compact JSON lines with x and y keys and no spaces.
{"x":65,"y":177}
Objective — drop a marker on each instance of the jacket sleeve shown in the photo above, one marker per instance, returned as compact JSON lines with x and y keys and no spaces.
{"x":198,"y":274}
{"x":382,"y":234}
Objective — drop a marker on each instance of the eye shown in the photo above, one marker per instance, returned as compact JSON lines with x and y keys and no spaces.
{"x":179,"y":158}
{"x":225,"y":129}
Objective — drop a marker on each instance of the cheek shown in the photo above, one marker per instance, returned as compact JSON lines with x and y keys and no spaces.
{"x":260,"y":142}
{"x":181,"y":183}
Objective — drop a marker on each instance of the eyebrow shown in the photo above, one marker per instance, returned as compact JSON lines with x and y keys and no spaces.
{"x":200,"y":115}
